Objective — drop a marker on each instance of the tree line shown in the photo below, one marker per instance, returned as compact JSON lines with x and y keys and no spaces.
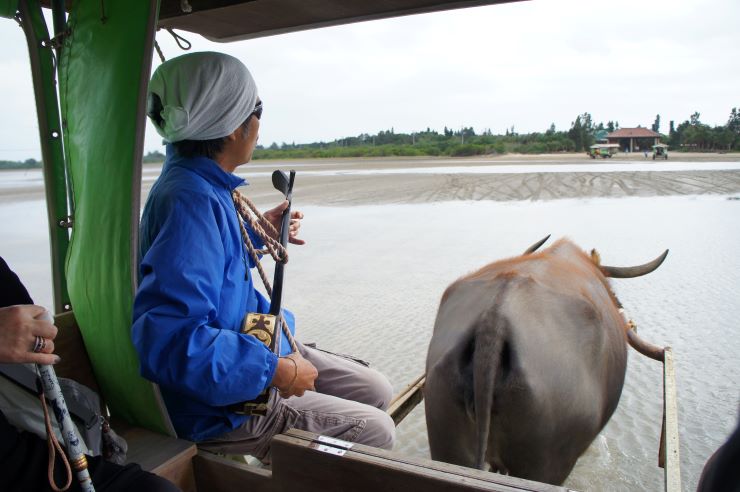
{"x":27,"y":164}
{"x":689,"y":135}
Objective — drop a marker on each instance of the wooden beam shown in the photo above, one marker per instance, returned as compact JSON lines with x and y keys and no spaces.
{"x":670,"y":412}
{"x":215,"y":473}
{"x":68,"y":344}
{"x":405,"y":401}
{"x":300,"y":457}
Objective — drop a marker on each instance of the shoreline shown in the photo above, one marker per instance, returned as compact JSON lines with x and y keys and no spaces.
{"x":323,"y":182}
{"x":563,"y":156}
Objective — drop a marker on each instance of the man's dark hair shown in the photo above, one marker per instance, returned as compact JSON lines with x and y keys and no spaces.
{"x":204,"y":148}
{"x":189,"y":148}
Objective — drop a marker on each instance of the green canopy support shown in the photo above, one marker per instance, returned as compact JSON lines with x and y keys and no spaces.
{"x":103,"y":76}
{"x":8,"y":8}
{"x":50,"y":136}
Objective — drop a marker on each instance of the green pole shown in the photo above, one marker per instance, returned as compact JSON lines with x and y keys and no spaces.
{"x":50,"y":137}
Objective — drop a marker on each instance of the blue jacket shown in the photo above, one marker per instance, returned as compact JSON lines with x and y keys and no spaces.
{"x":195,"y":288}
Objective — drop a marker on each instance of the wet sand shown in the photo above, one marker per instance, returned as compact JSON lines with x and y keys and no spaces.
{"x":348,"y":189}
{"x":326,"y":182}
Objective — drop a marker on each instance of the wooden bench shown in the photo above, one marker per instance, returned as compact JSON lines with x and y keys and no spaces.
{"x":165,"y":456}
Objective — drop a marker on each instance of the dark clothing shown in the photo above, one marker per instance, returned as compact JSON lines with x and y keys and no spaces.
{"x":24,"y":461}
{"x":12,"y":291}
{"x":24,"y":456}
{"x":722,"y":471}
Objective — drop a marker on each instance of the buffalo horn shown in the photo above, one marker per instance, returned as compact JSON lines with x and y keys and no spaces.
{"x":633,"y":271}
{"x":536,"y":245}
{"x":645,"y":348}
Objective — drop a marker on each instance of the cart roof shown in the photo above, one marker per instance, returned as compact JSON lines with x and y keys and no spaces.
{"x":232,"y":20}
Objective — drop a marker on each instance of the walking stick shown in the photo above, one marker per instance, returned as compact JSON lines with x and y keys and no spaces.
{"x":53,"y":391}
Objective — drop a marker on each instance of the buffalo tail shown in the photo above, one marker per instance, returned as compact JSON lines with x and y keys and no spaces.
{"x":489,"y":341}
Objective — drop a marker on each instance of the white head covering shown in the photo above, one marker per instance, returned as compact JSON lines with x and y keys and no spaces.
{"x":203,"y":96}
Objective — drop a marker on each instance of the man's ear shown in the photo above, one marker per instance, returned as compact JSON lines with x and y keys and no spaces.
{"x":233,"y":136}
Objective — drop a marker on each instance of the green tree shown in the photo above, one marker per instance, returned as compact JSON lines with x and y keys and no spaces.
{"x":154,"y":156}
{"x":576,"y":134}
{"x":656,"y":124}
{"x":733,"y":123}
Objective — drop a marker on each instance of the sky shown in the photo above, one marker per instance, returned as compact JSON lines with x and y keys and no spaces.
{"x":524,"y":65}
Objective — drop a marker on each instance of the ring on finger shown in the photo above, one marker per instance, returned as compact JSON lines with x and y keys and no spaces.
{"x":39,"y":344}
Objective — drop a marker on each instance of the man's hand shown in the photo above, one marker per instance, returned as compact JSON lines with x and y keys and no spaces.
{"x":19,"y":327}
{"x":294,"y":376}
{"x":273,"y":216}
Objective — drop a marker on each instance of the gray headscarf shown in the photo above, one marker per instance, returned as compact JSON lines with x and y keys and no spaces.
{"x":200,"y":96}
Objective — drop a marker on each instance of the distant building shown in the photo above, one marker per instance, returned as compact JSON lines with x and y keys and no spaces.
{"x":633,"y":139}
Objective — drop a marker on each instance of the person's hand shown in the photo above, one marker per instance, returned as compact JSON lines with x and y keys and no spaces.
{"x":19,"y":328}
{"x":294,"y":375}
{"x":273,"y":217}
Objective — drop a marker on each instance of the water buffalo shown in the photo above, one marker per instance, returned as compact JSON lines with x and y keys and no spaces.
{"x":526,"y":362}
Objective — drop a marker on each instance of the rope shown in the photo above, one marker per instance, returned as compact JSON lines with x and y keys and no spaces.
{"x":258,"y":223}
{"x":53,"y":444}
{"x":159,"y":51}
{"x":247,"y":212}
{"x":183,"y":43}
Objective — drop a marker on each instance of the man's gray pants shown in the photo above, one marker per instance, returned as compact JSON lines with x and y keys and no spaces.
{"x":348,"y":404}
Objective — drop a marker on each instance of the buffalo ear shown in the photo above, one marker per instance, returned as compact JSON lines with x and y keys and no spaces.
{"x":595,"y":257}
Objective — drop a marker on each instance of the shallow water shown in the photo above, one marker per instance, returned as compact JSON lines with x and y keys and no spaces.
{"x":372,"y":283}
{"x":369,"y":280}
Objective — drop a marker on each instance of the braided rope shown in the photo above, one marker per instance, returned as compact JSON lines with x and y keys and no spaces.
{"x":246,"y":211}
{"x":249,"y":213}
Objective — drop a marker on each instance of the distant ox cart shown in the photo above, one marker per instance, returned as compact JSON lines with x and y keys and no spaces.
{"x":603,"y":150}
{"x":660,"y":151}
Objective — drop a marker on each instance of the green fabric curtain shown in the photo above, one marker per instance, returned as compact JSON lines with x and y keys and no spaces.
{"x":105,"y":67}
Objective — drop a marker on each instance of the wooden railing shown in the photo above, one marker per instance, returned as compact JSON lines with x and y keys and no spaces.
{"x":668,"y":452}
{"x":405,"y":401}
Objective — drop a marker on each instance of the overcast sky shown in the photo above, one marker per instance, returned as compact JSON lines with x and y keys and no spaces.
{"x":525,"y":65}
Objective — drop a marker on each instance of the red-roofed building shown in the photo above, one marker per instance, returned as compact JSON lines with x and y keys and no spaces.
{"x":633,"y":139}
